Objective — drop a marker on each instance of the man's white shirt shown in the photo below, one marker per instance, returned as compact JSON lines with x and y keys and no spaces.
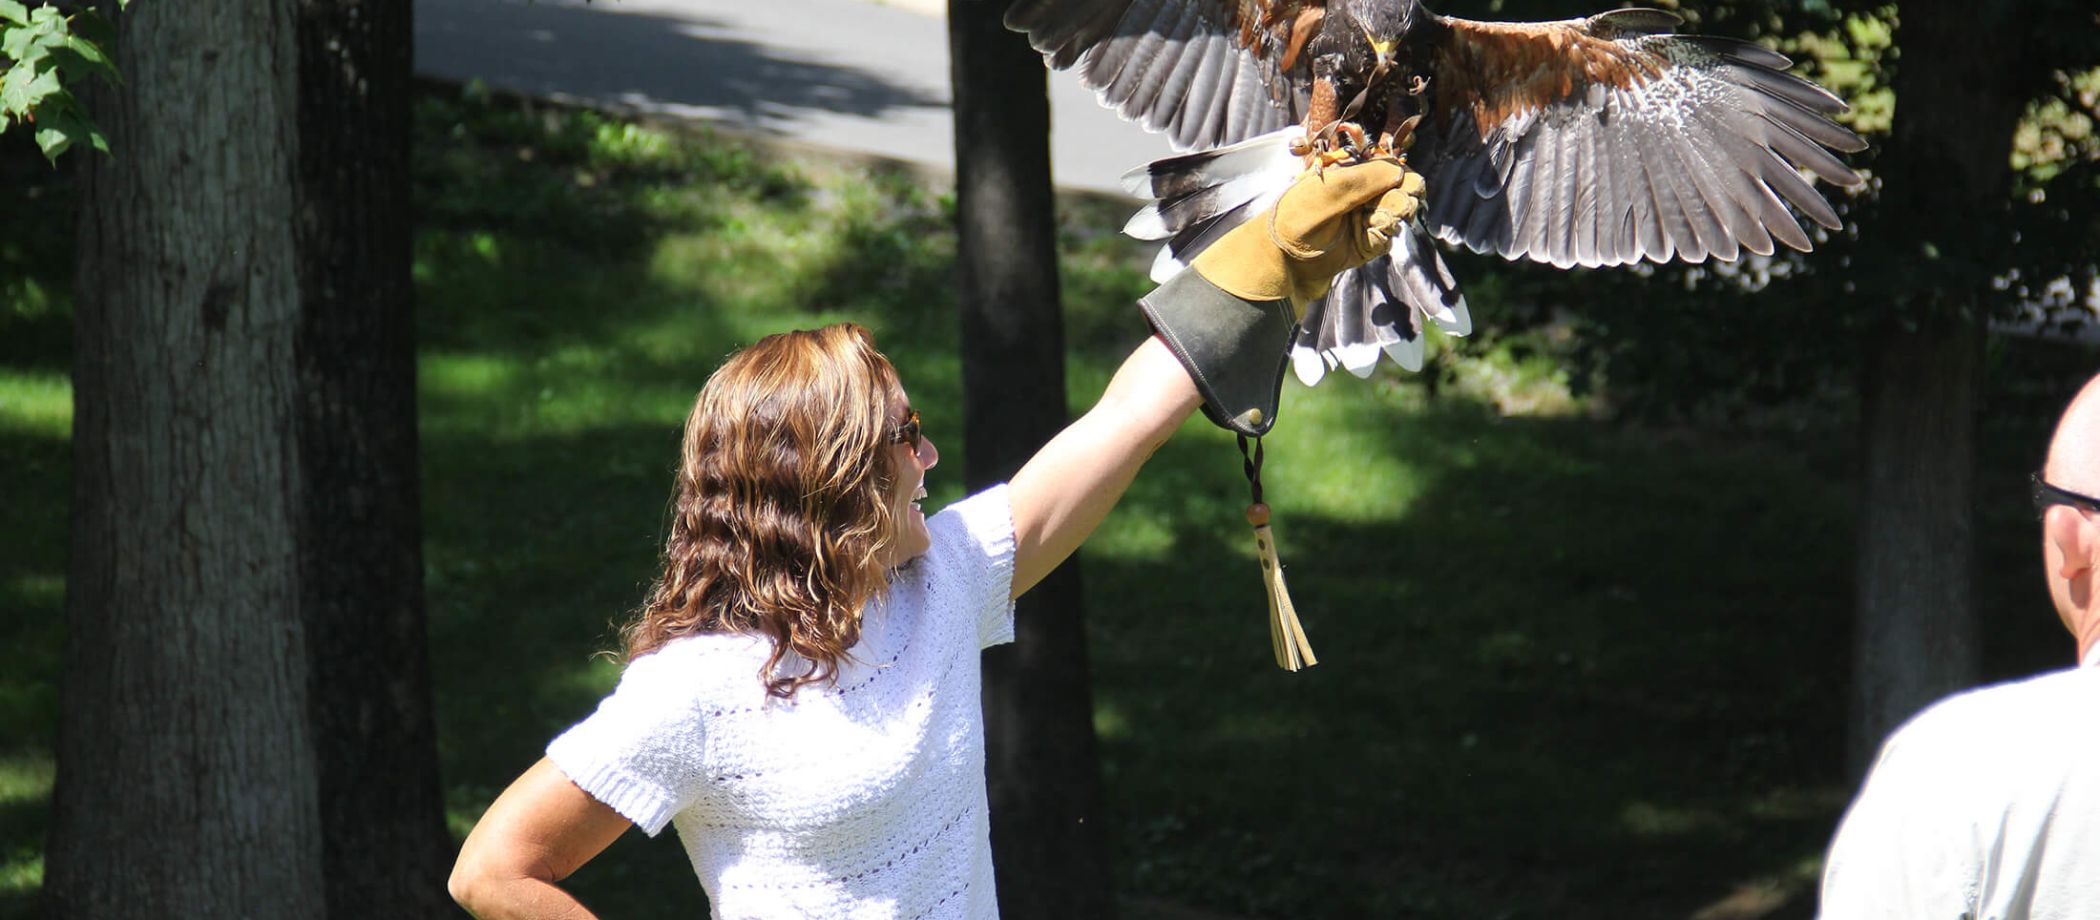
{"x":1985,"y":806}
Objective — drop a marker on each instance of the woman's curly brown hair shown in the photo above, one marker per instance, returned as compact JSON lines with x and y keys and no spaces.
{"x":781,"y":515}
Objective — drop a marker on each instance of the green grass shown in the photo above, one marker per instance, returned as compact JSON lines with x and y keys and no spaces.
{"x":1569,"y":668}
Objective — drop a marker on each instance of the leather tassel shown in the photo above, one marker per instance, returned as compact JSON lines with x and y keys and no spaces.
{"x":1285,"y":633}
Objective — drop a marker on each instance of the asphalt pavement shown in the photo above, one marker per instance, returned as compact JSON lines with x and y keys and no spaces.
{"x":845,"y":74}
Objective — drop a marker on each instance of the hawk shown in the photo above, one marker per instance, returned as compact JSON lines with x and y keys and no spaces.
{"x":1601,"y":141}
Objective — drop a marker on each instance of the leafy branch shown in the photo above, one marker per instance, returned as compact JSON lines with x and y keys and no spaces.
{"x":43,"y":51}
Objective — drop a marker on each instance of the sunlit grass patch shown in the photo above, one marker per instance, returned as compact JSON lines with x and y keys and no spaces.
{"x":25,"y":788}
{"x":39,"y":404}
{"x":25,"y":778}
{"x":21,"y":875}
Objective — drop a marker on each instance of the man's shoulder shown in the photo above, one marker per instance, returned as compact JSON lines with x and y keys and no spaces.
{"x":2010,"y":718}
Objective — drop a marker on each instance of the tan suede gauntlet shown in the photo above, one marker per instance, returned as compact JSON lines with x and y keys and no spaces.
{"x":1232,"y":318}
{"x":1326,"y":223}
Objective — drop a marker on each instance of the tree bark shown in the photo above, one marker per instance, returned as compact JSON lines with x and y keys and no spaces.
{"x":186,"y":762}
{"x":360,"y":513}
{"x":1947,"y":176}
{"x":248,"y":727}
{"x":1915,"y":637}
{"x":1044,"y":781}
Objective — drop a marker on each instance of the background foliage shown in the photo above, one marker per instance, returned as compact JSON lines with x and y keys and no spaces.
{"x":47,"y":53}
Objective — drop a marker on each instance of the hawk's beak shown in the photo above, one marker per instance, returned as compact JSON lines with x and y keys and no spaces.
{"x":1382,"y":49}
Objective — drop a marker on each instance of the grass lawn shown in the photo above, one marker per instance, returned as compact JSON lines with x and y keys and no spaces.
{"x":1569,"y":668}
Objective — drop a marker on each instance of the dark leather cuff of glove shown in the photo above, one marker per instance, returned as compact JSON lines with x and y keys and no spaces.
{"x":1235,"y":349}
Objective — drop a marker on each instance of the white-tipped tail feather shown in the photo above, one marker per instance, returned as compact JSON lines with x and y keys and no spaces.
{"x":1378,"y":308}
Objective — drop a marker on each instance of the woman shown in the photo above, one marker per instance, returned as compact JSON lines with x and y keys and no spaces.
{"x":801,"y":694}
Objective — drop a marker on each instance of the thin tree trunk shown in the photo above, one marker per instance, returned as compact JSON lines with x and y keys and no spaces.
{"x":360,"y":525}
{"x":1947,"y":176}
{"x":186,"y":767}
{"x":1044,"y":783}
{"x":1915,"y":637}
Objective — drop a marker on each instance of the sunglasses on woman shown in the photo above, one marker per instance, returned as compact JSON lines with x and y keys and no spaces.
{"x":907,"y":431}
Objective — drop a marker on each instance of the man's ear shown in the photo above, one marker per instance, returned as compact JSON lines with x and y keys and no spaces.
{"x":2076,"y":538}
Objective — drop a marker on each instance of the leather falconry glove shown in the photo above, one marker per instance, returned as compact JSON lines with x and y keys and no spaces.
{"x":1231,"y":319}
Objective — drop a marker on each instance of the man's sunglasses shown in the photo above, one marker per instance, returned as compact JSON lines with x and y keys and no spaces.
{"x":2046,"y":495}
{"x":907,"y":431}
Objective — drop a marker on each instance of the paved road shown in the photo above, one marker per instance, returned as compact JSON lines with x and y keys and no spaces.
{"x":839,"y":73}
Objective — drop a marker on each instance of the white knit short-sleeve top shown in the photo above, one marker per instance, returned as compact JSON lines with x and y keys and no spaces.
{"x":861,"y":799}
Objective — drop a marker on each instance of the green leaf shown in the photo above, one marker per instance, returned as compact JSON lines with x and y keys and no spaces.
{"x":14,"y":40}
{"x":23,"y":88}
{"x":91,"y":26}
{"x":87,"y":50}
{"x":53,"y":141}
{"x":63,"y":128}
{"x":14,"y":89}
{"x":25,"y":44}
{"x":12,"y":11}
{"x":80,"y":59}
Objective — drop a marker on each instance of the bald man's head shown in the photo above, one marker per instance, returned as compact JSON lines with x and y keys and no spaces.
{"x":2070,"y":533}
{"x":2074,"y":454}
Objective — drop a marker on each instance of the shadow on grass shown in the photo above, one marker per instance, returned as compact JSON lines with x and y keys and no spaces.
{"x":33,"y":507}
{"x":1545,"y":688}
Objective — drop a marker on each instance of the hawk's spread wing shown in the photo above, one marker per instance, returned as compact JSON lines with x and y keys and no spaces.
{"x":1202,"y":72}
{"x":1607,"y":140}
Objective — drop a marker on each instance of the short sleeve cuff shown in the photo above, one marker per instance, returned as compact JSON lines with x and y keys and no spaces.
{"x":987,"y":529}
{"x":636,"y":799}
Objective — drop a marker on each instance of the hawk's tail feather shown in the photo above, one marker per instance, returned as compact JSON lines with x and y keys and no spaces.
{"x":1381,"y":307}
{"x":1175,"y":177}
{"x":1197,"y":197}
{"x":1176,"y":254}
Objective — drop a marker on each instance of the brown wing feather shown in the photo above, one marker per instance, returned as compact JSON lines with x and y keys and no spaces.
{"x":1204,"y":72}
{"x":1607,"y":140}
{"x":1496,"y":70}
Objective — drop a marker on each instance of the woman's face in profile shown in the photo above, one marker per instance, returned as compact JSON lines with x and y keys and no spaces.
{"x":915,"y":454}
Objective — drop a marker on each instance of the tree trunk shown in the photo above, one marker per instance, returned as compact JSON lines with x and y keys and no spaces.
{"x":1044,"y":782}
{"x":1915,"y":637}
{"x":248,"y":727}
{"x":186,"y":763}
{"x":1947,"y":175}
{"x":360,"y":514}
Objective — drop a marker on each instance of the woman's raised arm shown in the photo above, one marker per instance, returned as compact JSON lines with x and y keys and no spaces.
{"x":1068,"y":487}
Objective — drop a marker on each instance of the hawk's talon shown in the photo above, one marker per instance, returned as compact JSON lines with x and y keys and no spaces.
{"x":1338,"y":143}
{"x":1352,"y":138}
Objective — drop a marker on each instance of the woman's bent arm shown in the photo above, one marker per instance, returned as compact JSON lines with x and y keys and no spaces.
{"x":1068,"y":487}
{"x":537,"y":832}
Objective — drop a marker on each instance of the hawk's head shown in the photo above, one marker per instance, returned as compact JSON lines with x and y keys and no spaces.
{"x":1382,"y":25}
